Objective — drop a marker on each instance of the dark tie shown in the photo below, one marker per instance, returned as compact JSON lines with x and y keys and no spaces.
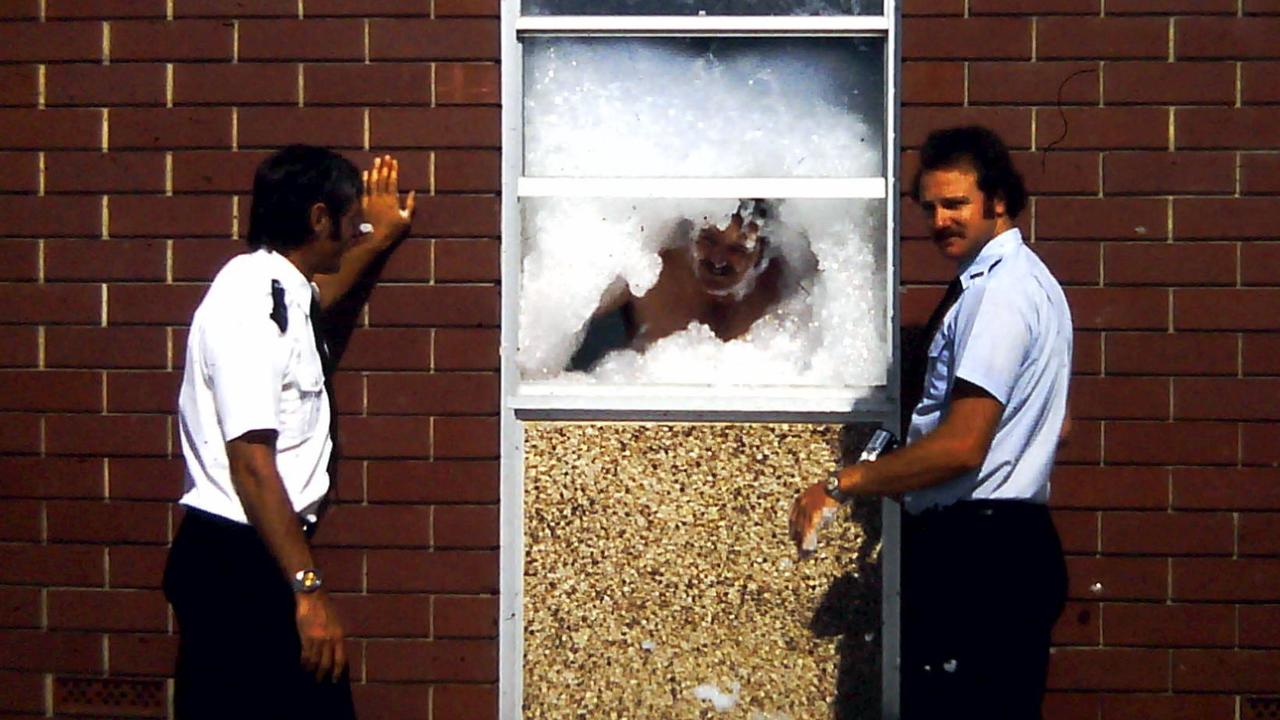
{"x":915,"y":362}
{"x":326,"y":364}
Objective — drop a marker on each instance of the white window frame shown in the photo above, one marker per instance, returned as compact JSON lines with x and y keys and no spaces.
{"x":549,"y":400}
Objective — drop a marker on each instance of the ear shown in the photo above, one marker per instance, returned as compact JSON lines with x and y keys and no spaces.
{"x":320,"y":220}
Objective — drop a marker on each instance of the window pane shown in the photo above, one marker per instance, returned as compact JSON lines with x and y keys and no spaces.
{"x":703,"y":7}
{"x":704,"y":292}
{"x":704,"y":107}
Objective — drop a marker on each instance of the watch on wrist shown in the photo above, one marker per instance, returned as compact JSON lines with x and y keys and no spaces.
{"x":307,"y":581}
{"x":832,"y":488}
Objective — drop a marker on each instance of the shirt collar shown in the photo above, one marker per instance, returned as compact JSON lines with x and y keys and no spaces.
{"x":296,"y":287}
{"x":996,"y":249}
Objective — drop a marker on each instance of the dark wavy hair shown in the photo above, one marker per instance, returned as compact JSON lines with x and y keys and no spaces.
{"x":980,"y":148}
{"x":286,"y":186}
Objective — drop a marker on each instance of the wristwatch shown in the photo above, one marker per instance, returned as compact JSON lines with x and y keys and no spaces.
{"x":307,"y":580}
{"x":832,"y":488}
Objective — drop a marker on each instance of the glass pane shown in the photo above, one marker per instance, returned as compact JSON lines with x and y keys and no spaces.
{"x":703,"y":291}
{"x":703,"y":7}
{"x":704,"y":107}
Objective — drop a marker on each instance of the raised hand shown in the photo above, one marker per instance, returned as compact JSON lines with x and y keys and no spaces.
{"x":383,"y":211}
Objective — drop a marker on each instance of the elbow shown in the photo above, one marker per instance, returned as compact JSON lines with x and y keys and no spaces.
{"x":967,"y":456}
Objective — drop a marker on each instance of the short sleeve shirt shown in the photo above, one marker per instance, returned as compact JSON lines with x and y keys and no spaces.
{"x":1010,"y":334}
{"x":243,"y":373}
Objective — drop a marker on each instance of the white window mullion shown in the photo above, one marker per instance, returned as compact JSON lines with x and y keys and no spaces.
{"x":871,"y":187}
{"x":702,"y":25}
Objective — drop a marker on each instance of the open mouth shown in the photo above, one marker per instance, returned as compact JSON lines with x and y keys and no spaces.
{"x":721,"y":271}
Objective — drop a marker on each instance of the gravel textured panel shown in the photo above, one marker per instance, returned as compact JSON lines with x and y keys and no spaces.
{"x":660,"y":583}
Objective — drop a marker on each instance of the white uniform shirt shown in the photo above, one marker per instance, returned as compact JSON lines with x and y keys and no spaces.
{"x":1009,"y":333}
{"x":243,"y":373}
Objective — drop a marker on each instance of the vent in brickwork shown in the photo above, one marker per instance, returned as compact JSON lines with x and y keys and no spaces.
{"x":110,"y":697}
{"x":1260,"y":708}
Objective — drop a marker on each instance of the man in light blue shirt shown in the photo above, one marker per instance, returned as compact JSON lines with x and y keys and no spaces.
{"x":983,"y":577}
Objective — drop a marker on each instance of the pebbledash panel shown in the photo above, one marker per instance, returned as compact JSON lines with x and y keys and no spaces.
{"x":699,"y":320}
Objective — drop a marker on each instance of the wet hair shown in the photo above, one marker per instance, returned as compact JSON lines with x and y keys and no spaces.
{"x":982,"y":150}
{"x":287,"y":185}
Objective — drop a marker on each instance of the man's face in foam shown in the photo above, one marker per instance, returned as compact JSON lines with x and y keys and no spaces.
{"x":723,"y":259}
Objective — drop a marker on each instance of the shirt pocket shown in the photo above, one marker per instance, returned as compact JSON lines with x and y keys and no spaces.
{"x":301,"y":399}
{"x":937,"y":378}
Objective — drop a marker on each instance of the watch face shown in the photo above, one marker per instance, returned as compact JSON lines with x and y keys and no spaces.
{"x":307,"y":580}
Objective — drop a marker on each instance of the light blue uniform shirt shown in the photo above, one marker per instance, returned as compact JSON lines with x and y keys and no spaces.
{"x":1009,"y":333}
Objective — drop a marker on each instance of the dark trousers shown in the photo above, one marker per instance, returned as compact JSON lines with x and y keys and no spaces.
{"x":983,"y":583}
{"x":238,"y":647}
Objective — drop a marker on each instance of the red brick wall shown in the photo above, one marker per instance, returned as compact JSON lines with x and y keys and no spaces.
{"x":1149,"y":134}
{"x":1155,"y":206}
{"x":103,"y":257}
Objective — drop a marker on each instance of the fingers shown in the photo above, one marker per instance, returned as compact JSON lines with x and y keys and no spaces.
{"x":393,"y":177}
{"x":310,"y":654}
{"x":325,"y":664}
{"x":409,"y":205}
{"x":339,"y":658}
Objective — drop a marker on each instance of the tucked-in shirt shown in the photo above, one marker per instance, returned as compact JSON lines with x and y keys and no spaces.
{"x":1009,"y":333}
{"x":244,"y":373}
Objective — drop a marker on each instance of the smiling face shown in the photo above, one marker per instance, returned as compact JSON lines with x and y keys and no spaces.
{"x":961,"y":218}
{"x":723,"y":259}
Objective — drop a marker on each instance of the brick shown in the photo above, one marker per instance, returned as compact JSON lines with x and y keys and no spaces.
{"x":104,"y":9}
{"x":109,"y":522}
{"x":1035,"y":7}
{"x":20,"y":10}
{"x":1012,"y":124}
{"x":19,"y":172}
{"x":433,"y":482}
{"x":51,"y":477}
{"x":933,"y":83}
{"x":1261,"y":7}
{"x":441,"y":571}
{"x":215,"y":171}
{"x":433,"y":394}
{"x":109,"y":347}
{"x":1084,"y":445}
{"x":19,"y":346}
{"x":137,"y":567}
{"x":142,"y":654}
{"x":1072,"y":263}
{"x":20,"y":607}
{"x":311,"y":40}
{"x":476,"y":702}
{"x":177,"y":215}
{"x":405,"y":702}
{"x":51,"y":216}
{"x":465,"y":526}
{"x":465,"y":349}
{"x":51,"y":303}
{"x":61,"y":652}
{"x":1242,"y":671}
{"x":1226,"y":488}
{"x":106,"y":435}
{"x":1259,"y":174}
{"x":1170,"y":264}
{"x":235,"y":8}
{"x":444,"y":127}
{"x":1095,"y":38}
{"x":440,"y":39}
{"x":1171,"y":354}
{"x":1180,"y":443}
{"x":1120,"y":398}
{"x":51,"y":42}
{"x":377,"y":526}
{"x":1169,"y":83}
{"x":19,"y":260}
{"x":1169,"y":173}
{"x":1103,"y":128}
{"x":1224,"y":580}
{"x":1058,"y":172}
{"x":974,"y":39}
{"x":1180,"y":706}
{"x":171,"y":128}
{"x":1236,"y":218}
{"x":50,"y":129}
{"x":467,"y":261}
{"x":99,"y":172}
{"x":173,"y":40}
{"x":1078,"y":625}
{"x":435,"y":306}
{"x":343,"y":568}
{"x":105,"y":260}
{"x":145,"y":478}
{"x":933,"y":7}
{"x":1077,"y":530}
{"x":96,"y":85}
{"x":1260,"y":354}
{"x":19,"y":85}
{"x":380,"y":84}
{"x":1234,"y":38}
{"x":153,"y":304}
{"x":24,"y":692}
{"x":406,"y":349}
{"x":432,"y":660}
{"x":50,"y":391}
{"x":272,"y":127}
{"x":1226,"y":399}
{"x":1260,"y":82}
{"x":366,"y":8}
{"x":385,"y":615}
{"x":1109,"y":669}
{"x":1225,"y":309}
{"x":465,"y":437}
{"x":41,"y":565}
{"x":1161,"y":625}
{"x":1098,"y":487}
{"x":1260,"y":444}
{"x":142,"y":392}
{"x":386,"y":437}
{"x":235,"y":84}
{"x":468,"y":84}
{"x":465,"y":617}
{"x":1162,"y":533}
{"x":20,"y":433}
{"x":1244,"y":128}
{"x":1119,"y":308}
{"x":1259,"y":626}
{"x":200,"y":259}
{"x":1012,"y":83}
{"x":20,"y":520}
{"x":1259,"y":534}
{"x":110,"y":610}
{"x":920,"y":263}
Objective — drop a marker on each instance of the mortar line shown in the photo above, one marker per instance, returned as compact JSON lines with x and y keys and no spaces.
{"x":1172,"y":35}
{"x":302,"y":86}
{"x":43,"y":10}
{"x":106,"y":217}
{"x":168,"y":85}
{"x":105,"y":304}
{"x":168,"y":10}
{"x":168,"y":172}
{"x":106,"y":129}
{"x":40,"y":345}
{"x":367,"y":129}
{"x":235,"y":41}
{"x":41,"y":160}
{"x":300,"y":11}
{"x":235,"y":129}
{"x":106,"y":42}
{"x":42,"y":89}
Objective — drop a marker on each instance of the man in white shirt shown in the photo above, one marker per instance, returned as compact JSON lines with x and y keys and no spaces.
{"x":983,"y":576}
{"x":259,"y":635}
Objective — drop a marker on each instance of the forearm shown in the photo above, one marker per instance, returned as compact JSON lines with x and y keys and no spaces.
{"x":355,"y":262}
{"x":932,"y":460}
{"x":268,"y":508}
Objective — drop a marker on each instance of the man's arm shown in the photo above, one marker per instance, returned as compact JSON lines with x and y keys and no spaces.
{"x":380,"y":203}
{"x":252,"y":459}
